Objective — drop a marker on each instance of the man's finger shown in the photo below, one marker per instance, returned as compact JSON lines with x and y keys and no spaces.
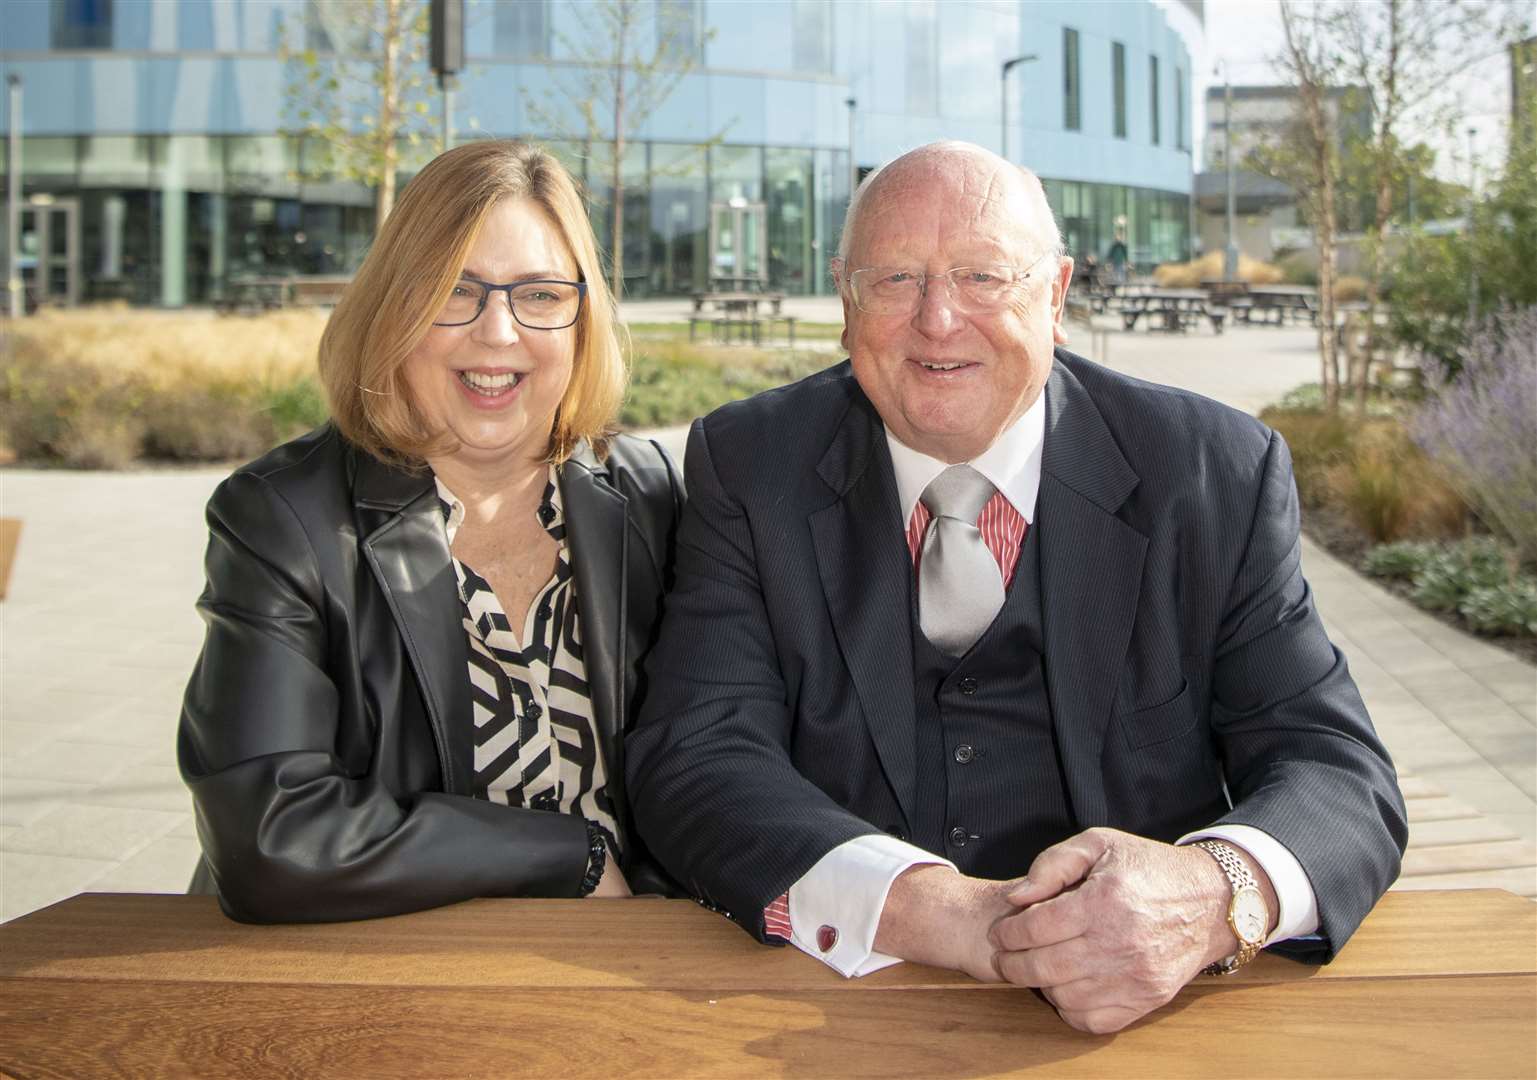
{"x":1059,"y":867}
{"x":1063,"y":964}
{"x":1061,"y":918}
{"x":1100,"y":1021}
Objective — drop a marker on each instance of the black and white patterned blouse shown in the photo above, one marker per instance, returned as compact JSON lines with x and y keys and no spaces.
{"x":535,"y":739}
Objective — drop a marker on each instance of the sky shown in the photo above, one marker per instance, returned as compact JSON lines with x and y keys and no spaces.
{"x":1246,"y":34}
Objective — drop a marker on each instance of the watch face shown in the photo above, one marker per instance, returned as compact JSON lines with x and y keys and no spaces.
{"x":1250,"y":919}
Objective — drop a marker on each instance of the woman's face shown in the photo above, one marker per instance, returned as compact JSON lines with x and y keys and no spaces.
{"x":494,"y":384}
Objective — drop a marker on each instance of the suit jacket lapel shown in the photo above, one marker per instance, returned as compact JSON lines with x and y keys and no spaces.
{"x":596,"y":532}
{"x":1091,"y":574}
{"x":407,"y":549}
{"x":866,"y":576}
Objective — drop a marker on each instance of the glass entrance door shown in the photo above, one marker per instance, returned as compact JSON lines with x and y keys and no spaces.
{"x":738,"y":241}
{"x":50,"y":253}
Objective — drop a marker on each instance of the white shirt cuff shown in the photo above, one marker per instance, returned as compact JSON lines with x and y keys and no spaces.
{"x":846,"y":892}
{"x":1294,"y":892}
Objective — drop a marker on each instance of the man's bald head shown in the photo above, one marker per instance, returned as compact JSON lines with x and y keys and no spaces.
{"x":973,"y":172}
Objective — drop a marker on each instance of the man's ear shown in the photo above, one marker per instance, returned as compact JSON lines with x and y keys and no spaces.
{"x":1059,"y":287}
{"x":836,"y":265}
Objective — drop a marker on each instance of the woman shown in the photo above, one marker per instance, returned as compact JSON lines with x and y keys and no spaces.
{"x":426,"y":618}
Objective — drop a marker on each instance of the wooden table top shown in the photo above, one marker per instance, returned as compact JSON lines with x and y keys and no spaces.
{"x":1434,"y":984}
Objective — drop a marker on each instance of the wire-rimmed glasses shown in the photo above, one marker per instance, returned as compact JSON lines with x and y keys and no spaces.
{"x":899,"y":290}
{"x":538,"y":304}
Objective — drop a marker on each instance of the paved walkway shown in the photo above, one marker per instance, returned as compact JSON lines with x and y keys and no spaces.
{"x":98,"y":635}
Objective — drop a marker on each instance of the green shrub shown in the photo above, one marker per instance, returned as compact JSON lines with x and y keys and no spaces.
{"x":1399,"y":560}
{"x":1449,"y":576}
{"x":1503,"y":609}
{"x":673,"y":382}
{"x":294,"y":407}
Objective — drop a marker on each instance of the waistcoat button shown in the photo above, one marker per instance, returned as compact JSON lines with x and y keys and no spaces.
{"x":967,"y":686}
{"x":964,"y":753}
{"x":958,"y":836}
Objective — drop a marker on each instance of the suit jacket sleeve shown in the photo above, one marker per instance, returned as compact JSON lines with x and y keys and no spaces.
{"x":288,"y":833}
{"x":715,"y":793}
{"x":1301,"y":758}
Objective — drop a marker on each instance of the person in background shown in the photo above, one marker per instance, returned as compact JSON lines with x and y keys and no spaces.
{"x":426,"y":619}
{"x":985,"y":656}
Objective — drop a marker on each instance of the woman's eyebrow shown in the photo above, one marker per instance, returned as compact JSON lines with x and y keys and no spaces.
{"x":528,"y":275}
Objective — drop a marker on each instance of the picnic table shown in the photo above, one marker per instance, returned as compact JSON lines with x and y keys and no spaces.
{"x":269,"y":293}
{"x":737,"y":302}
{"x":1295,"y":302}
{"x":1172,"y":309}
{"x":1434,"y":984}
{"x":737,"y":316}
{"x":253,"y":293}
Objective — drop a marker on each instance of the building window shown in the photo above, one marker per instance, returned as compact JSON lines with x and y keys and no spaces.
{"x":922,"y":58}
{"x":677,"y":23}
{"x":1118,"y":86}
{"x":82,"y":24}
{"x":521,"y":28}
{"x":1179,"y":110}
{"x":1152,"y":97}
{"x":811,"y":29}
{"x":1070,"y":116}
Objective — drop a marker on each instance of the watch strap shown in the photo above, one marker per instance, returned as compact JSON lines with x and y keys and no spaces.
{"x":1239,"y":877}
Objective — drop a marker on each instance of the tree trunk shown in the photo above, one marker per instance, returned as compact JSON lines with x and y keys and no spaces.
{"x":1328,"y":342}
{"x":389,"y":108}
{"x":621,"y":45}
{"x":1383,"y":167}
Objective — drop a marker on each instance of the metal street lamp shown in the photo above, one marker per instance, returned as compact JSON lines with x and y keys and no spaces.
{"x":1003,"y":81}
{"x":853,"y":165}
{"x":1230,"y":255}
{"x":13,"y":201}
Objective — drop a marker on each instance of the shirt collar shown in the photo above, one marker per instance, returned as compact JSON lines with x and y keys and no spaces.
{"x":551,"y":511}
{"x":1012,"y":464}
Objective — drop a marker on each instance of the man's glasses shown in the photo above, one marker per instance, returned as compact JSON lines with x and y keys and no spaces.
{"x":897,"y":290}
{"x":538,"y":305}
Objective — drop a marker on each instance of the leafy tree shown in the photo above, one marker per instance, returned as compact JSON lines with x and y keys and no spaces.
{"x":1307,"y":158}
{"x":1402,"y":54}
{"x":1445,"y":286}
{"x":357,"y":89}
{"x":631,"y":55}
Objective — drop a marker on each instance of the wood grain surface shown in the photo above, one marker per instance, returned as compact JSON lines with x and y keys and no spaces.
{"x":1434,"y":984}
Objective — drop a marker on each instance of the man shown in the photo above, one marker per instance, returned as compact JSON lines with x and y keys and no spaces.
{"x":859,"y":744}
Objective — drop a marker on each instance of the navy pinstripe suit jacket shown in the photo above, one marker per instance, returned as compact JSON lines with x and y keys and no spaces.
{"x":1189,"y":676}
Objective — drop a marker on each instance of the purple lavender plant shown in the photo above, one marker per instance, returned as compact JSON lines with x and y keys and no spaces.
{"x":1482,"y":425}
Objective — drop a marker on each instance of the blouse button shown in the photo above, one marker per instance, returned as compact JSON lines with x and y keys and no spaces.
{"x":533,"y":712}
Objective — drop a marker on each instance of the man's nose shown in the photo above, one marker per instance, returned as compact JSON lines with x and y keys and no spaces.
{"x":496,"y":325}
{"x":936,"y":314}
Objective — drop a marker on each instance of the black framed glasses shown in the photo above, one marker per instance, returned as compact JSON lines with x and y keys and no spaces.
{"x":540,"y":304}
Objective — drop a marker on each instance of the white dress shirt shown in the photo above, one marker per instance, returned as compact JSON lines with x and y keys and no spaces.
{"x":847,"y":888}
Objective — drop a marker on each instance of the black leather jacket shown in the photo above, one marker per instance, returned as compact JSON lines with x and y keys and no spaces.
{"x":315,"y":733}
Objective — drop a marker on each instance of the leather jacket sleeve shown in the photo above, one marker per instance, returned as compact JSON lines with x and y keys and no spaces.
{"x":290,"y":832}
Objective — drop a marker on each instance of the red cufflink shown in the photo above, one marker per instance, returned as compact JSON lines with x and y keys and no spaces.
{"x":827,"y":937}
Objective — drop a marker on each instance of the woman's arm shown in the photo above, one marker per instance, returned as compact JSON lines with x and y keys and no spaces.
{"x":290,"y":833}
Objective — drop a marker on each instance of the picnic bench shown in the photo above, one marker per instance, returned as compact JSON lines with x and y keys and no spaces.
{"x":741,"y":325}
{"x":737,"y":301}
{"x":1172,"y":309}
{"x":1275,"y":304}
{"x":269,"y":293}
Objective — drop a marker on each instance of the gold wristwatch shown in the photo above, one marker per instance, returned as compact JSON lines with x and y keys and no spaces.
{"x":1247,"y":915}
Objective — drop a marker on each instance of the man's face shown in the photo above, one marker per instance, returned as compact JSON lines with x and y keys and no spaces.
{"x":946,"y":382}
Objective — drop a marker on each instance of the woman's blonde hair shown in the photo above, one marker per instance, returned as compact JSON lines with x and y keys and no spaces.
{"x":405,"y":280}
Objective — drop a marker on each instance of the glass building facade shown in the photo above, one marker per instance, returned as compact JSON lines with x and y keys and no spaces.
{"x":161,"y":162}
